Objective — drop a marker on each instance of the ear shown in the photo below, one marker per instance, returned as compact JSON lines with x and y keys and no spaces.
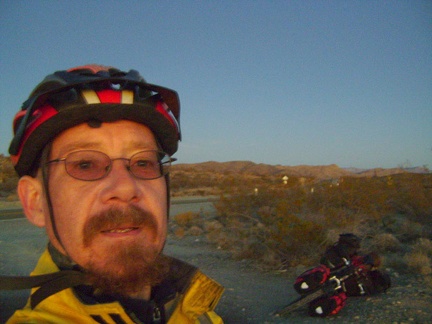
{"x":30,"y":192}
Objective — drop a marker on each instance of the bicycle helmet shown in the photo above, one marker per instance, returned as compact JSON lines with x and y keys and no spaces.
{"x":93,"y":94}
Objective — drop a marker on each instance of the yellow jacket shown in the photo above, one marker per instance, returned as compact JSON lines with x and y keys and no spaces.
{"x":195,"y":305}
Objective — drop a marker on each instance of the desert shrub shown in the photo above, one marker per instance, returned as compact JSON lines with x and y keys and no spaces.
{"x":413,"y":196}
{"x":212,"y":225}
{"x":385,"y":242}
{"x":411,"y":232}
{"x":352,"y":198}
{"x":295,"y":240}
{"x":259,"y":251}
{"x":188,"y":223}
{"x":265,"y":227}
{"x":419,"y":262}
{"x":403,"y":227}
{"x":12,"y":197}
{"x":423,"y":245}
{"x":428,"y":281}
{"x":407,"y":194}
{"x":195,"y":231}
{"x":179,"y":232}
{"x":222,"y":239}
{"x":9,"y":184}
{"x":187,"y":219}
{"x":8,"y":176}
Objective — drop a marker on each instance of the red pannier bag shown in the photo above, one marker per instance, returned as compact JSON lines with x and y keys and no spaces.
{"x":311,"y":279}
{"x":326,"y":306}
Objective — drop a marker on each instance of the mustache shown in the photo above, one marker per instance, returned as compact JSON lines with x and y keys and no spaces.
{"x":113,"y":218}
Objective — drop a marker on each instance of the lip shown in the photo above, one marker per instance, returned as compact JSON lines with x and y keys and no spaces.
{"x":122,"y":231}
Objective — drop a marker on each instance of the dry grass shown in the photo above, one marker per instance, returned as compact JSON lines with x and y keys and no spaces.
{"x":419,"y":262}
{"x":385,"y":242}
{"x":428,"y":281}
{"x":212,"y":226}
{"x":179,"y":232}
{"x":195,"y":231}
{"x":187,"y":219}
{"x":221,"y":239}
{"x":423,"y":245}
{"x":10,"y":203}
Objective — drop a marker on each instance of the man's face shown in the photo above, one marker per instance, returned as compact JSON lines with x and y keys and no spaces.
{"x":107,"y":225}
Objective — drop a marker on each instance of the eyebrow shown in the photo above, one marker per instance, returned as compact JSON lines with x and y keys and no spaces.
{"x":79,"y":145}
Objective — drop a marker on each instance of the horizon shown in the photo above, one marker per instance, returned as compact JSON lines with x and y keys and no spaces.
{"x":402,"y":167}
{"x":273,"y":82}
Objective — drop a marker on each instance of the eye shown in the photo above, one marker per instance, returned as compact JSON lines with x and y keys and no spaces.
{"x":83,"y":165}
{"x":145,"y":164}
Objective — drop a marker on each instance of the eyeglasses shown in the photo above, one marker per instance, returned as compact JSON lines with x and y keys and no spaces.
{"x":88,"y":165}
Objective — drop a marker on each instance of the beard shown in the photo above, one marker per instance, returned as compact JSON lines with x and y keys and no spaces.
{"x":127,"y":267}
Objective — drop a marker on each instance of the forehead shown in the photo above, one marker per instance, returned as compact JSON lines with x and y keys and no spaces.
{"x":116,"y":137}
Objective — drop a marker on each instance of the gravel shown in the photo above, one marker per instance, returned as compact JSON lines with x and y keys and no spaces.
{"x":253,"y":296}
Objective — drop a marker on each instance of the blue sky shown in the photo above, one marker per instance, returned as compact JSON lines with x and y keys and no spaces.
{"x":276,"y":82}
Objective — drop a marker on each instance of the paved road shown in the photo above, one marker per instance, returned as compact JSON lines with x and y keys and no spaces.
{"x":11,"y":213}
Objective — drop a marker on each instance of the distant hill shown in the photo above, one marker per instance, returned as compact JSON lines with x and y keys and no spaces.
{"x":319,"y":172}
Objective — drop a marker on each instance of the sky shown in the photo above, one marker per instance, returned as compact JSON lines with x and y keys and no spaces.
{"x":275,"y":82}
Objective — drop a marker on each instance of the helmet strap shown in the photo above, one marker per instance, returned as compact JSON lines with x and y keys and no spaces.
{"x":45,"y":180}
{"x":168,"y":193}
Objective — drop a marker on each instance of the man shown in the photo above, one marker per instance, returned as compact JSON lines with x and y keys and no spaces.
{"x":92,"y":148}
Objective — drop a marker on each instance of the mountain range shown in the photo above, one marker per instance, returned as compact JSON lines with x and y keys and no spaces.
{"x":331,"y":171}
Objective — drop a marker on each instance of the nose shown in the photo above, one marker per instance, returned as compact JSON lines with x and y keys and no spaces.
{"x":120,"y":184}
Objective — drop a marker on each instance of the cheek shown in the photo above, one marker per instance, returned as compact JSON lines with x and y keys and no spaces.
{"x":156,"y":191}
{"x":155,"y":200}
{"x":71,"y":203}
{"x":68,"y":194}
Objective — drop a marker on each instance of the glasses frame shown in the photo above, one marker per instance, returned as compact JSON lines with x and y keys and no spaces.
{"x":164,"y":164}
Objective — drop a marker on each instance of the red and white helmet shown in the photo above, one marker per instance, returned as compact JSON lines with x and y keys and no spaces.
{"x":91,"y":93}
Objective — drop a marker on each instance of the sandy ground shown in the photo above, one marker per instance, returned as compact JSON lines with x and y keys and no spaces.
{"x":251,"y":296}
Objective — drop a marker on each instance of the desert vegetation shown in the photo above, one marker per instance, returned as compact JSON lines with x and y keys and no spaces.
{"x":288,"y":225}
{"x":8,"y":180}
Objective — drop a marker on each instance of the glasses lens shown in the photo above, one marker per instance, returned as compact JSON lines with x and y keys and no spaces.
{"x":87,"y":165}
{"x":149,"y":164}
